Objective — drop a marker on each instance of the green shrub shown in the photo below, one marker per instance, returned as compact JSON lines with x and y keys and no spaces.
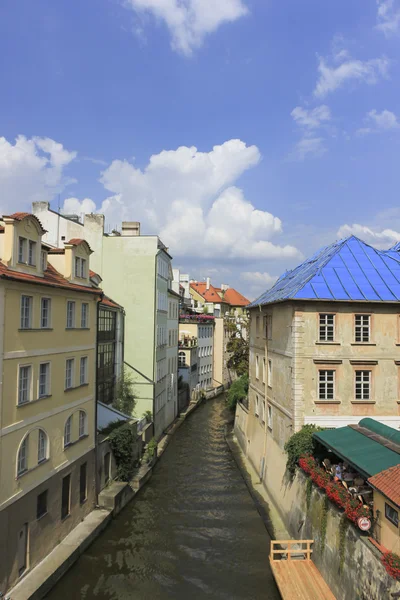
{"x":111,"y":426}
{"x":238,"y":391}
{"x":300,"y":444}
{"x":122,"y":442}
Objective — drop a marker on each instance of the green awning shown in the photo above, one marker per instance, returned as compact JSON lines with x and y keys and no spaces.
{"x":366,"y":455}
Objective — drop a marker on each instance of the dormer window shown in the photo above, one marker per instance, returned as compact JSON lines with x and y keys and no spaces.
{"x":22,"y":242}
{"x":32,"y":253}
{"x":43,"y":260}
{"x":80,"y":267}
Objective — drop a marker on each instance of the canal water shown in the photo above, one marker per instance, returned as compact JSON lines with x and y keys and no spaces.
{"x":192,"y":532}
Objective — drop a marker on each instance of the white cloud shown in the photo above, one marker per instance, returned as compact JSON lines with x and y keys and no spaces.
{"x":190,"y":199}
{"x":311,"y":119}
{"x":189,"y":21}
{"x":384,"y":121}
{"x":388,"y":16}
{"x":73,"y":206}
{"x":31,"y":170}
{"x":379,"y":238}
{"x":259,"y":279}
{"x":333,"y":77}
{"x":309,"y":147}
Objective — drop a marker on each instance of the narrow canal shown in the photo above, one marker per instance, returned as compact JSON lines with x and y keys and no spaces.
{"x":192,"y":532}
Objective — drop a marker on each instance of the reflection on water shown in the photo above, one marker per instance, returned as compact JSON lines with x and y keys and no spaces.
{"x":192,"y":532}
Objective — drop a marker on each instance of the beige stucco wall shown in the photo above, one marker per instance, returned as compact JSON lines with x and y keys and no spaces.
{"x":388,"y":532}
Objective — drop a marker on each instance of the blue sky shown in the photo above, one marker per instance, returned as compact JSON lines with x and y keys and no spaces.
{"x":246,"y":133}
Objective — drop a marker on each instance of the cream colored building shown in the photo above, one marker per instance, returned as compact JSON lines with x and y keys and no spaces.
{"x":321,"y":354}
{"x":135,"y":270}
{"x":47,"y":395}
{"x":201,"y":329}
{"x":171,"y":407}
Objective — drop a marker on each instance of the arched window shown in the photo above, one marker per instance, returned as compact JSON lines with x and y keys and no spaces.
{"x":182,"y":359}
{"x":82,"y":423}
{"x":42,"y":446}
{"x":67,"y":432}
{"x":22,"y":461}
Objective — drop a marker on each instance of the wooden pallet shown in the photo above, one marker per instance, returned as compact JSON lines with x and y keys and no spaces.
{"x":297,"y":578}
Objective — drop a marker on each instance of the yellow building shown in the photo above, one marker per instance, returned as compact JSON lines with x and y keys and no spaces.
{"x":47,"y":395}
{"x":386,"y":487}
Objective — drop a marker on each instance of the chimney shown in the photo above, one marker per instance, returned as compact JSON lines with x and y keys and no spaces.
{"x":224,"y":287}
{"x":130,"y":228}
{"x":208,"y":283}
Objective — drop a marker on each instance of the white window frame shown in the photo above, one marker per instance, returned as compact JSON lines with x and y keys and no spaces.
{"x":32,"y":253}
{"x":67,"y":432}
{"x":47,"y":382}
{"x":362,"y":328}
{"x":82,"y":424}
{"x":85,"y":312}
{"x":28,"y":388}
{"x":22,"y":456}
{"x":269,"y":372}
{"x":83,"y":268}
{"x":42,"y":446}
{"x":327,"y":327}
{"x":264,"y":369}
{"x":69,"y":377}
{"x":363,"y":382}
{"x":263,"y":411}
{"x":326,"y":385}
{"x":48,"y":324}
{"x":22,"y":245}
{"x":71,"y":308}
{"x":77,"y":266}
{"x":26,"y":312}
{"x":83,"y":373}
{"x":257,"y":406}
{"x":257,"y":367}
{"x":269,"y":416}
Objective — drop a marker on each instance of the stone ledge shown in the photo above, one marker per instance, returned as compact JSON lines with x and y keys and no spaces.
{"x":115,"y":496}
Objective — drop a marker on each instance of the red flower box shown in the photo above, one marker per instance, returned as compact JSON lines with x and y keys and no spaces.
{"x":392,"y":564}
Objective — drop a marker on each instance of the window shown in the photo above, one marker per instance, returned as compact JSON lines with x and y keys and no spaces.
{"x":22,"y":462}
{"x":82,"y":423}
{"x":26,"y":312}
{"x":24,"y":384}
{"x":181,"y":359}
{"x":257,"y":368}
{"x":45,"y":312}
{"x":67,"y":432}
{"x":263,"y":411}
{"x":83,"y":378}
{"x":326,"y":385}
{"x":69,"y":373}
{"x":80,"y":267}
{"x":44,"y":380}
{"x":82,"y":483}
{"x":22,"y":249}
{"x":391,"y":514}
{"x":326,"y":328}
{"x":107,"y":329}
{"x":43,"y":260}
{"x":257,"y":326}
{"x":269,"y":424}
{"x":83,"y":268}
{"x":41,"y":505}
{"x":32,"y":253}
{"x":362,"y":328}
{"x":70,"y":314}
{"x":85,"y":315}
{"x":257,"y":406}
{"x":269,"y":327}
{"x":269,"y":372}
{"x":65,"y":496}
{"x":42,"y":446}
{"x":263,"y":370}
{"x":363,"y":385}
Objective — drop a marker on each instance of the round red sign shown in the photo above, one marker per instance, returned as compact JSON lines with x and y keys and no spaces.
{"x":364,"y":523}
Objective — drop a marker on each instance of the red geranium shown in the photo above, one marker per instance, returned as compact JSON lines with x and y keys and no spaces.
{"x":355,"y":509}
{"x":392,"y":564}
{"x":337,"y":494}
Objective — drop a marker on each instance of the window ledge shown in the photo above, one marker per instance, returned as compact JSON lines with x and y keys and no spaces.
{"x":77,"y":329}
{"x":83,"y":437}
{"x":362,"y":344}
{"x":327,"y":402}
{"x":319,"y":343}
{"x":363,"y":401}
{"x":75,"y":387}
{"x":35,"y":329}
{"x":42,"y":462}
{"x":42,"y":516}
{"x":33,"y":401}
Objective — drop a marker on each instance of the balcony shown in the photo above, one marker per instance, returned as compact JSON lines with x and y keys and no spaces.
{"x":188,"y":342}
{"x":202,"y":319}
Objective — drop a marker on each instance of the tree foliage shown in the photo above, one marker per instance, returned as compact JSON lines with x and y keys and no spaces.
{"x":300,"y":444}
{"x":122,"y":442}
{"x":125,"y":400}
{"x":238,"y":391}
{"x":238,"y":347}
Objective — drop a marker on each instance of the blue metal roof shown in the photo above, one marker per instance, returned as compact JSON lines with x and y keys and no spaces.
{"x":346,"y":270}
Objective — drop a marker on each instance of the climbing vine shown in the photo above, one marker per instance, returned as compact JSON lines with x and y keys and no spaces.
{"x":308,"y":492}
{"x":324,"y":522}
{"x":343,"y":525}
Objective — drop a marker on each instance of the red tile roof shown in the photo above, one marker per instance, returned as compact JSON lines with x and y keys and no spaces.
{"x":209,"y":295}
{"x":77,"y":242}
{"x":111,"y":303}
{"x":51,"y":278}
{"x":19,"y":216}
{"x":388,"y":483}
{"x":234,"y":298}
{"x":57,"y":251}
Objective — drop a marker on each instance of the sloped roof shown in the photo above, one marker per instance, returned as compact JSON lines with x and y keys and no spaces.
{"x":19,"y":216}
{"x":235,"y":298}
{"x":209,"y":295}
{"x":78,"y":242}
{"x":388,"y":482}
{"x":111,"y":303}
{"x":51,"y":277}
{"x":346,"y":270}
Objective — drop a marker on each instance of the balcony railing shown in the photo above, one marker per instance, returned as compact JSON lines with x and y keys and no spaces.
{"x":188,"y":342}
